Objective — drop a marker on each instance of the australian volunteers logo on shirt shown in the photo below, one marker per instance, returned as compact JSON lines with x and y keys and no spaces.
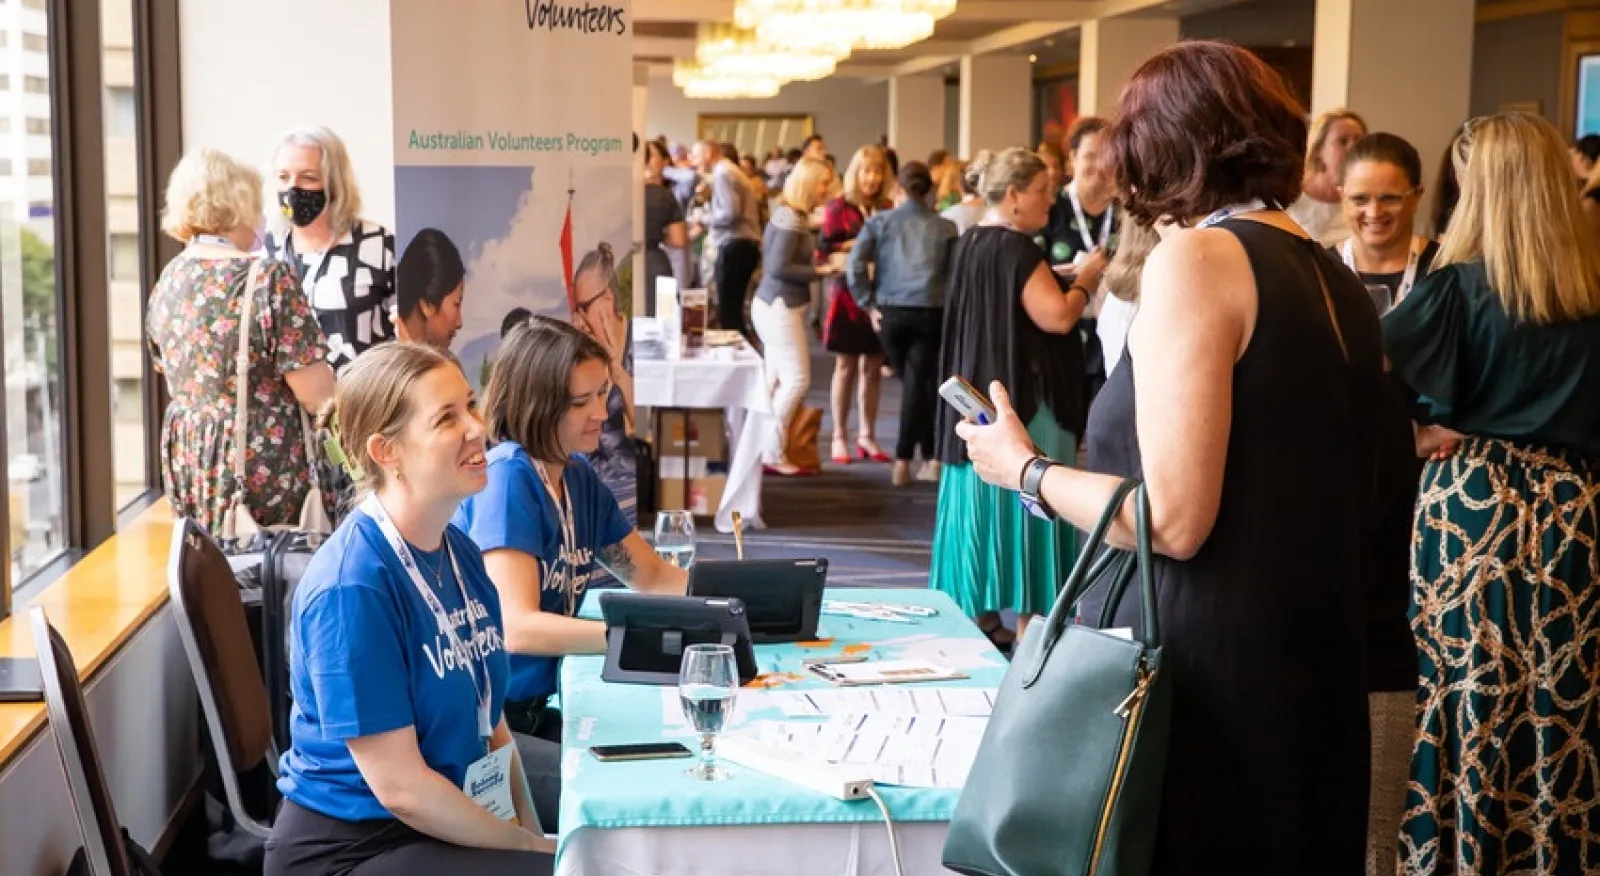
{"x":570,"y":573}
{"x":466,"y":653}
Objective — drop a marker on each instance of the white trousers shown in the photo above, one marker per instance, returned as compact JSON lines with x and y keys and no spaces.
{"x":787,"y":358}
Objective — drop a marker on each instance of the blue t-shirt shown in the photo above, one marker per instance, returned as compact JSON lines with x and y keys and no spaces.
{"x":366,"y":656}
{"x":515,"y":511}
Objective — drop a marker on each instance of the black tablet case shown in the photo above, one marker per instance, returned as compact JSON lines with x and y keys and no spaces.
{"x":782,"y":598}
{"x":647,"y":633}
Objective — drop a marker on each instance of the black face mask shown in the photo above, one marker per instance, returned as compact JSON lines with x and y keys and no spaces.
{"x":302,"y":206}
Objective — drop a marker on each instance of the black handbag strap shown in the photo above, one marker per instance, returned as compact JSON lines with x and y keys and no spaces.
{"x":1093,"y":558}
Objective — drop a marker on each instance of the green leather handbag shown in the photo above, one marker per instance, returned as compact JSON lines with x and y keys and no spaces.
{"x":1068,"y":778}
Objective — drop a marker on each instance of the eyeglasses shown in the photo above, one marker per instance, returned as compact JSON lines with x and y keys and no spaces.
{"x":1384,"y":202}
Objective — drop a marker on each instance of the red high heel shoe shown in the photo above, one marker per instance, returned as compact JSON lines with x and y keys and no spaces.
{"x":873,"y":455}
{"x":841,"y":458}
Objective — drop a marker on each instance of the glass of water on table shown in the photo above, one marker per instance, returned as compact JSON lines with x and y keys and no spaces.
{"x":675,"y":538}
{"x":707,"y":684}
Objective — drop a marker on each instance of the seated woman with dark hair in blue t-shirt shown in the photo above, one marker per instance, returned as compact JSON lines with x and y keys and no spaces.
{"x":400,"y":760}
{"x":545,"y":522}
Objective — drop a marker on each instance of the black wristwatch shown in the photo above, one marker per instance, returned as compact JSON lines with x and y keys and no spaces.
{"x":1032,"y":479}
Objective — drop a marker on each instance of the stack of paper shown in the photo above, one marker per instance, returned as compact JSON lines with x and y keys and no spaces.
{"x":903,"y":750}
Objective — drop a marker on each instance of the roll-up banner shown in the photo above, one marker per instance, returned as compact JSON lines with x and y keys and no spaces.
{"x":513,"y":136}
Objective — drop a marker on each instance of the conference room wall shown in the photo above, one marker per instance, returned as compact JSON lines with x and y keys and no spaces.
{"x":1516,"y":61}
{"x":250,"y":71}
{"x":847,"y":112}
{"x":146,"y":719}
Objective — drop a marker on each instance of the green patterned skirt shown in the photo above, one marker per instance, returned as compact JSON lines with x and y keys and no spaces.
{"x":989,"y":553}
{"x":1505,"y":777}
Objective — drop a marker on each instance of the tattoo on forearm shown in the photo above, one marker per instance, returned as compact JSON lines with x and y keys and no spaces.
{"x":620,"y":562}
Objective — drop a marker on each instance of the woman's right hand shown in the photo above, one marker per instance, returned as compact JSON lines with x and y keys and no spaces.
{"x":1093,"y":270}
{"x":1437,"y":443}
{"x":532,"y":842}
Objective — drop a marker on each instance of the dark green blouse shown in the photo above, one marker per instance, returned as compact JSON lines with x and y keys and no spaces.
{"x":1482,"y":373}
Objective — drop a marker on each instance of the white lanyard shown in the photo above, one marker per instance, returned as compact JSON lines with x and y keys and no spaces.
{"x":1413,"y":259}
{"x":374,"y":509}
{"x":214,"y":240}
{"x":569,"y":536}
{"x":1231,"y":211}
{"x":1083,"y":221}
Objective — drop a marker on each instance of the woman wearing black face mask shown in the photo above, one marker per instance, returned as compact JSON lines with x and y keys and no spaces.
{"x":345,"y":263}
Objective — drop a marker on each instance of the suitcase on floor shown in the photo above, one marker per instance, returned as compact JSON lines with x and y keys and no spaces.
{"x":268,"y":571}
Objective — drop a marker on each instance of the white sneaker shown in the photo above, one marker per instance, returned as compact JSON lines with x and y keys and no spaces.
{"x":929,"y":473}
{"x":900,"y":473}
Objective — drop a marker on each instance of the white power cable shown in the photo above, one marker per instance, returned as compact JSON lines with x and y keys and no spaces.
{"x":888,"y":822}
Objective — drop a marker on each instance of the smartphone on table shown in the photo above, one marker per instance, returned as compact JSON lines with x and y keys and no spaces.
{"x":971,"y":403}
{"x":639,"y":751}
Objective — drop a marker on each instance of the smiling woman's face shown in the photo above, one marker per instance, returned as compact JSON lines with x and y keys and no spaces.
{"x":1380,"y":203}
{"x":587,"y":391}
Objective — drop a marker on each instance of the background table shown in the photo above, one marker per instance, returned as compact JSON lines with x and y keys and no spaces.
{"x":723,"y":379}
{"x":647,"y":817}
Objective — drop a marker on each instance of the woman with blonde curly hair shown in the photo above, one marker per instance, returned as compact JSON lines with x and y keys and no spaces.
{"x":195,"y":317}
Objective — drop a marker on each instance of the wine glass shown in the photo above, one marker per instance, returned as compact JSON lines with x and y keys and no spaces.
{"x":707,"y":684}
{"x":675,"y":538}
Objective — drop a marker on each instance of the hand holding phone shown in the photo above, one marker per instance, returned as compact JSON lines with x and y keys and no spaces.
{"x":968,"y":401}
{"x":639,"y":751}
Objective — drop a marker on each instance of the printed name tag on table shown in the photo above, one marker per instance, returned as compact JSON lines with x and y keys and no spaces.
{"x":488,"y":783}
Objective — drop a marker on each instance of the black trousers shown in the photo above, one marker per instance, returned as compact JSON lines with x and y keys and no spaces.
{"x":307,"y":843}
{"x":911,"y":338}
{"x":536,"y":729}
{"x":737,"y":261}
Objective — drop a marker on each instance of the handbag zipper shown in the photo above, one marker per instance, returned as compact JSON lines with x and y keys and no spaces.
{"x":1128,"y":710}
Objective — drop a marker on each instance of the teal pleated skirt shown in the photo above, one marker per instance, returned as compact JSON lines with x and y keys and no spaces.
{"x":989,"y":553}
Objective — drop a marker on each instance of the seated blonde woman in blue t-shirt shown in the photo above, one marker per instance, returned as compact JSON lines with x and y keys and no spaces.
{"x":545,"y":522}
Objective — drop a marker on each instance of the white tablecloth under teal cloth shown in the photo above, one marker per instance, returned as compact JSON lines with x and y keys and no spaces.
{"x":648,"y":817}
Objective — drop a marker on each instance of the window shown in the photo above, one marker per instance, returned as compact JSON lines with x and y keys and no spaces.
{"x":125,"y":256}
{"x":5,"y":38}
{"x":39,"y":126}
{"x":5,"y":125}
{"x":5,"y":167}
{"x":35,"y":396}
{"x":121,"y":115}
{"x":125,"y":293}
{"x":5,"y":82}
{"x":35,"y":42}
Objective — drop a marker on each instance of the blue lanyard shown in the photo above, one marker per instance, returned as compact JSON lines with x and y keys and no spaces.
{"x":1231,"y":211}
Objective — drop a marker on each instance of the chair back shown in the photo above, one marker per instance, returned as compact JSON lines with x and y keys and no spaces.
{"x":209,"y":610}
{"x":80,"y":759}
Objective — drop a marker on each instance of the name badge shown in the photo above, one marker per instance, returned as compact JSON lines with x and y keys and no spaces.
{"x":488,"y":783}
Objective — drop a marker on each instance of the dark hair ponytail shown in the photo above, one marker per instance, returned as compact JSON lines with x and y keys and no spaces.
{"x":430,"y":269}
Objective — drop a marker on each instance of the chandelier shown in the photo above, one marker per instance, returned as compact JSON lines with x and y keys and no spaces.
{"x":732,"y":52}
{"x":700,"y":83}
{"x":863,"y":24}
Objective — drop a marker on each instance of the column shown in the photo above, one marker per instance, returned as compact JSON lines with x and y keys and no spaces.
{"x":916,"y":115}
{"x":1405,"y":67}
{"x":996,"y":102}
{"x":1112,"y":49}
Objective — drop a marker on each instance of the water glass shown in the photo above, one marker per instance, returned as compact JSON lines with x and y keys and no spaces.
{"x":1382,"y":297}
{"x":707,"y":684}
{"x":675,"y":538}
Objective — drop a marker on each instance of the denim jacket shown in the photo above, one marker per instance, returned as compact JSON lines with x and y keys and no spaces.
{"x":910,"y":245}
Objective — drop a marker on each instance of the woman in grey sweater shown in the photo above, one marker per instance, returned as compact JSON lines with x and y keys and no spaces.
{"x":782,"y":300}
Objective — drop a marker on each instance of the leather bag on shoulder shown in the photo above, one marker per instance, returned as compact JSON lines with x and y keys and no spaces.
{"x":237,"y":522}
{"x":1068,"y":778}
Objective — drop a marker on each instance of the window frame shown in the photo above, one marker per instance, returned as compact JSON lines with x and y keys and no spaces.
{"x":78,"y":124}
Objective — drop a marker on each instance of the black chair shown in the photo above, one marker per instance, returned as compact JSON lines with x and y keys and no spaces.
{"x":216,"y":638}
{"x":80,"y":760}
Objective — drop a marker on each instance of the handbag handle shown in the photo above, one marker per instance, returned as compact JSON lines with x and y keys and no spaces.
{"x":1079,"y":580}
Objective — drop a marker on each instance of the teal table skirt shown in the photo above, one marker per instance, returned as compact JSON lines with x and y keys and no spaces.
{"x":658,"y":793}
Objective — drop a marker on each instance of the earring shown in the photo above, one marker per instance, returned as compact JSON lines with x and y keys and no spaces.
{"x":397,"y":476}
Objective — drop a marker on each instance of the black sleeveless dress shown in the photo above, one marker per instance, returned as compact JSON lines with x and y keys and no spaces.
{"x":1263,"y":628}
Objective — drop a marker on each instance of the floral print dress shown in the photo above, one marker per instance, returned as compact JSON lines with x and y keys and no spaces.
{"x":193,"y":327}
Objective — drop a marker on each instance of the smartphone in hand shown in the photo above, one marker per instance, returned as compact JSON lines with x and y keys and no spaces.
{"x":971,"y":403}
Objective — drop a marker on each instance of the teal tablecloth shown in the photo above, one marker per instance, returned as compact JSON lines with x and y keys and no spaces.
{"x":658,"y":794}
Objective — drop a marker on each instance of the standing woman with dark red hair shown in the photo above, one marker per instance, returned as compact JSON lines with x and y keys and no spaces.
{"x":1247,"y":401}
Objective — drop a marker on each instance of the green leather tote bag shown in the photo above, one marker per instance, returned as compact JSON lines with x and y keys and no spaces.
{"x":1068,"y":778}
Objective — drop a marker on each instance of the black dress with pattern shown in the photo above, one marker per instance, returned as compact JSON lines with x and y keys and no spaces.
{"x":1267,"y":769}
